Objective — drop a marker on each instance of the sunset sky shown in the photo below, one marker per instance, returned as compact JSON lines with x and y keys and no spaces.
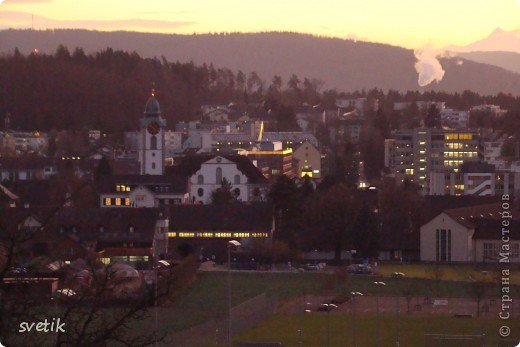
{"x":406,"y":23}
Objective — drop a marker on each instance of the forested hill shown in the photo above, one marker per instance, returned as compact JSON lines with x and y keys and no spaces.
{"x":106,"y":90}
{"x":342,"y":64}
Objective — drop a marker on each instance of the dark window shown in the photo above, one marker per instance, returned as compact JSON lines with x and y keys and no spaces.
{"x":443,"y":245}
{"x":218,"y":175}
{"x":153,"y":142}
{"x":200,"y":192}
{"x":200,"y":179}
{"x":237,"y":179}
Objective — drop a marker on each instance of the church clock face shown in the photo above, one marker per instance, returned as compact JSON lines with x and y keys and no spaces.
{"x":153,"y":128}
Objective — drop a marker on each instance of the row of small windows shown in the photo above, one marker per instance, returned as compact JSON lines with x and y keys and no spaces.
{"x":129,"y":258}
{"x":116,"y":202}
{"x":218,"y":177}
{"x":458,"y":136}
{"x":122,"y":188}
{"x":492,"y":249}
{"x":200,"y":192}
{"x":460,"y":154}
{"x":209,"y":234}
{"x":101,"y":229}
{"x":453,"y":162}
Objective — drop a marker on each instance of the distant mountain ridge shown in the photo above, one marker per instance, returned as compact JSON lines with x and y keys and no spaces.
{"x":498,"y":41}
{"x":342,"y":64}
{"x":507,"y":60}
{"x":501,"y":48}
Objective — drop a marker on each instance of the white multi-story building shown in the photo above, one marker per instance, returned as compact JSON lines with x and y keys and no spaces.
{"x":454,"y":119}
{"x":423,"y":106}
{"x":362,"y":105}
{"x":478,"y":179}
{"x":415,"y":154}
{"x":491,"y":109}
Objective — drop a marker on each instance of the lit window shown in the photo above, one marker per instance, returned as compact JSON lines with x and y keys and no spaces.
{"x":118,"y":201}
{"x":108,"y":201}
{"x":127,"y":201}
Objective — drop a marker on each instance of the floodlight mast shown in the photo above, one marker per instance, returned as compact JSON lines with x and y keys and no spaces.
{"x":231,"y":243}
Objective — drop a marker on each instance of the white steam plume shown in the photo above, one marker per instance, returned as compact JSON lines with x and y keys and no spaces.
{"x":428,"y":67}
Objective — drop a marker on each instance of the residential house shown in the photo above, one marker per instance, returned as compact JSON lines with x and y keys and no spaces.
{"x":143,"y":190}
{"x":113,"y":235}
{"x":308,"y":160}
{"x":472,"y":234}
{"x":27,"y":167}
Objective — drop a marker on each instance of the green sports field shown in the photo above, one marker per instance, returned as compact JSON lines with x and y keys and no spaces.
{"x":329,"y":329}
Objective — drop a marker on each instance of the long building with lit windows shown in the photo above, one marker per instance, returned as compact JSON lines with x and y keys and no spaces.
{"x":478,"y":179}
{"x":415,"y":154}
{"x":206,"y":229}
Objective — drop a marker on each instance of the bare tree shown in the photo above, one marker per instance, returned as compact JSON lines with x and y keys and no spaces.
{"x":95,"y":312}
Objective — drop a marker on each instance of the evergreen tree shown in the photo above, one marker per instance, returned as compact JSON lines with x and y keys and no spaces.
{"x":103,"y":169}
{"x":285,"y":196}
{"x":433,"y":118}
{"x":223,"y":195}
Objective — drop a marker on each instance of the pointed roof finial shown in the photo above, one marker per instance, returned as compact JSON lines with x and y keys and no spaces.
{"x":153,"y":89}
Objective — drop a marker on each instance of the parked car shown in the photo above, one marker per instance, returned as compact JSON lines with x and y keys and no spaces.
{"x":359,"y":269}
{"x":327,"y":307}
{"x":398,"y":275}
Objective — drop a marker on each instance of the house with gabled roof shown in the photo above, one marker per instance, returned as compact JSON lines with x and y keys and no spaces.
{"x":471,"y":234}
{"x":143,"y":190}
{"x":129,"y":235}
{"x":207,"y":172}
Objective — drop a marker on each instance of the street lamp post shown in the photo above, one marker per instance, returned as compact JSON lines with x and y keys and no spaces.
{"x":354,"y":294}
{"x":398,"y":308}
{"x":306,"y":308}
{"x":231,"y":243}
{"x":378,"y":284}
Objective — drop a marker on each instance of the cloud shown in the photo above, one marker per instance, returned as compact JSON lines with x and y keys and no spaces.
{"x":428,"y":67}
{"x":21,"y":19}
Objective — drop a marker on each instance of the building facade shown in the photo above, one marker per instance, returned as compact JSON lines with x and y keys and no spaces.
{"x":247,"y":182}
{"x":472,"y":234}
{"x":415,"y":154}
{"x":308,"y":161}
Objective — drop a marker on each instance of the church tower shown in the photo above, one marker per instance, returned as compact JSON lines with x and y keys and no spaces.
{"x":151,"y":153}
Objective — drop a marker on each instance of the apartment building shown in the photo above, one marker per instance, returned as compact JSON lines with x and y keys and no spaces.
{"x":415,"y":154}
